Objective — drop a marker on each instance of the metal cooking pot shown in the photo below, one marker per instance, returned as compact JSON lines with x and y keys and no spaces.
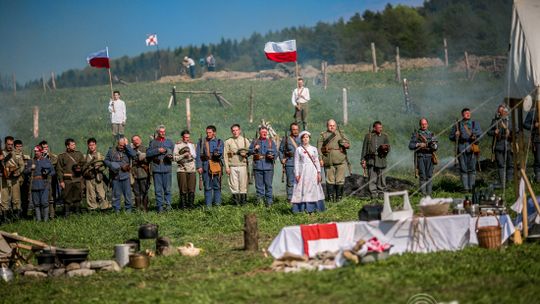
{"x":139,"y":261}
{"x":46,"y":258}
{"x":148,"y":231}
{"x":69,"y":255}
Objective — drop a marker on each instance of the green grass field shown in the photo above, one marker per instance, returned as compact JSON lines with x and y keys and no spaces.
{"x":225,"y":273}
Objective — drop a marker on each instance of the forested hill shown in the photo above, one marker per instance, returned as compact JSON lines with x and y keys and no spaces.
{"x":478,"y":26}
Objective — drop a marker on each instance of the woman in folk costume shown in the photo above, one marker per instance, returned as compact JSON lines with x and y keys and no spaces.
{"x":308,"y":193}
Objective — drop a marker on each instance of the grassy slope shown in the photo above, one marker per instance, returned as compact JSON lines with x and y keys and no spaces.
{"x":225,"y":274}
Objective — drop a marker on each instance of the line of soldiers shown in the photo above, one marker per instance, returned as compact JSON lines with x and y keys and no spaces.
{"x":48,"y":178}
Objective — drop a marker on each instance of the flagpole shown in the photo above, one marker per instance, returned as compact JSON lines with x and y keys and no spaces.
{"x":110,"y":75}
{"x":296,"y":68}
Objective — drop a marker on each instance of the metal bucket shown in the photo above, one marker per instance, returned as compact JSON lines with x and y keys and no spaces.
{"x":121,"y":254}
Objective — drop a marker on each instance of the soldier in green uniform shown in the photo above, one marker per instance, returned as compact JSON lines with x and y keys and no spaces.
{"x":374,"y":152}
{"x":332,"y":146}
{"x":69,"y":170}
{"x":13,"y":167}
{"x":93,"y":171}
{"x":52,"y":180}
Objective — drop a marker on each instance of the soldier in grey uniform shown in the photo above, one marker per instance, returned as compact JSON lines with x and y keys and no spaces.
{"x":332,"y":147}
{"x":93,"y":171}
{"x":287,"y":148}
{"x":467,"y":133}
{"x":140,"y":170}
{"x":52,"y":180}
{"x":69,"y":171}
{"x":118,"y":161}
{"x":531,"y":123}
{"x":502,"y":144}
{"x":424,"y":144}
{"x":375,"y":149}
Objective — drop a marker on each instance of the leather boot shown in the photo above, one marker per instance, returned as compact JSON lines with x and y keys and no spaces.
{"x":145,"y":203}
{"x":17,"y":214}
{"x":330,"y":195}
{"x":472,"y":181}
{"x":183,"y":201}
{"x":52,"y":210}
{"x":137,"y":203}
{"x":191,"y":200}
{"x":45,"y":213}
{"x":465,"y":182}
{"x":67,"y":209}
{"x":243,"y":199}
{"x":236,"y":199}
{"x":37,"y":212}
{"x":339,"y":192}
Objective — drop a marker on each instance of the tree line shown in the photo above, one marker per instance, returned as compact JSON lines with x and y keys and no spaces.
{"x":481,"y":27}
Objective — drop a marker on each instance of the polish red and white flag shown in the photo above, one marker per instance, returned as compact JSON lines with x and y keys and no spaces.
{"x":99,"y":59}
{"x":320,"y":237}
{"x":281,"y":51}
{"x":151,"y":40}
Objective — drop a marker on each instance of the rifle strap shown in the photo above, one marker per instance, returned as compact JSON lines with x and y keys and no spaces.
{"x":310,"y":158}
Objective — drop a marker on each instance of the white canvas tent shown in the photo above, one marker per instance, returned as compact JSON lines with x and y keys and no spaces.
{"x":524,"y":56}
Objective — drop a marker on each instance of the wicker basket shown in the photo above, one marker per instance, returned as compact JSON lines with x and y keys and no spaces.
{"x":435,"y":209}
{"x":489,"y":236}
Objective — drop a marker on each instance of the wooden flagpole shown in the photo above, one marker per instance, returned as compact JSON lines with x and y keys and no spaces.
{"x":296,"y":68}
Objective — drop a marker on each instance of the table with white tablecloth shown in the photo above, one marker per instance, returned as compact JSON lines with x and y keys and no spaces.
{"x":417,"y":234}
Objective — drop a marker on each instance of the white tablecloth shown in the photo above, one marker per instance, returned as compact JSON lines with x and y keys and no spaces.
{"x":419,"y":234}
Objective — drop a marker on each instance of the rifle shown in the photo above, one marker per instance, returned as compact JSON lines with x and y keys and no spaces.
{"x":345,"y":151}
{"x":456,"y":145}
{"x":415,"y":160}
{"x":200,"y":174}
{"x":247,"y":164}
{"x":255,"y":139}
{"x":285,"y":153}
{"x":364,"y":172}
{"x":494,"y":142}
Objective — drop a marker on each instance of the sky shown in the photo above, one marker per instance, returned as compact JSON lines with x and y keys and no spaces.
{"x":40,"y":37}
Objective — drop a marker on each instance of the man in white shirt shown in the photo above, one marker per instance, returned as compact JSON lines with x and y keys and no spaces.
{"x":300,"y":98}
{"x":117,"y":108}
{"x":189,"y":63}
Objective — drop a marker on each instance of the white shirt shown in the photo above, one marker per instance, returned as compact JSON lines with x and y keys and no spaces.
{"x":117,"y":108}
{"x":300,"y":95}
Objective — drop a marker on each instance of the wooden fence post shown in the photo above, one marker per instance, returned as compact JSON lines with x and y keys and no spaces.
{"x":251,"y":232}
{"x":467,"y":65}
{"x":36,"y":122}
{"x":53,"y":81}
{"x":14,"y":85}
{"x":445,"y":53}
{"x":345,"y":109}
{"x":374,"y":57}
{"x":398,"y":65}
{"x":251,"y":104}
{"x":188,"y":114}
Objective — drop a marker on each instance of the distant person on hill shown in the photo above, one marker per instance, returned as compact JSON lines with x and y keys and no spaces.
{"x":189,"y":63}
{"x":300,"y":98}
{"x":211,"y":63}
{"x":117,"y":108}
